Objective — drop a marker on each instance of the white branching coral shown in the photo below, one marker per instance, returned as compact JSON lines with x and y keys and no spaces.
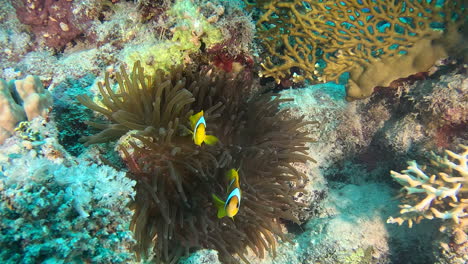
{"x":436,"y":191}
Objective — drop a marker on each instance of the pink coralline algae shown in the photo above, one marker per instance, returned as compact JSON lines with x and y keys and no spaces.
{"x":52,"y":22}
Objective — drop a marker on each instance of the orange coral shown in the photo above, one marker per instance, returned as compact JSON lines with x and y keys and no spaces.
{"x":374,"y":40}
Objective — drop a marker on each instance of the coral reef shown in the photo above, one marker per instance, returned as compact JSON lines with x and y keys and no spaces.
{"x":443,"y":104}
{"x":175,"y":178}
{"x":57,"y":209}
{"x":320,"y":40}
{"x":68,"y":115}
{"x":313,"y":168}
{"x":155,"y":32}
{"x":235,"y":53}
{"x":212,"y":29}
{"x":202,"y":256}
{"x":36,"y":100}
{"x":431,"y":113}
{"x":349,"y":227}
{"x":22,"y":100}
{"x":403,"y":122}
{"x":14,"y":38}
{"x":351,"y":221}
{"x":357,"y":144}
{"x":189,"y":29}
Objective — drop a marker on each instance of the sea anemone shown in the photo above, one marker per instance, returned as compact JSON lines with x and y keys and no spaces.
{"x":174,"y":211}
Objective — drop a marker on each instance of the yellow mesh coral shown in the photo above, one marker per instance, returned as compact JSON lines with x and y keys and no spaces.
{"x":375,"y":41}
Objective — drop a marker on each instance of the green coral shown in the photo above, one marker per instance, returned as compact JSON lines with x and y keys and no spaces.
{"x":25,"y":132}
{"x":191,"y":30}
{"x":193,"y":24}
{"x":360,"y":256}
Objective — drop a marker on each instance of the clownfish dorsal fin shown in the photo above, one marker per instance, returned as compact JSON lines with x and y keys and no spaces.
{"x":240,"y":165}
{"x":194,"y":119}
{"x":232,"y":176}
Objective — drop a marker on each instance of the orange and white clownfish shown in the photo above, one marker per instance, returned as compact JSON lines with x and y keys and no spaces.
{"x":198,"y":124}
{"x":231,"y":206}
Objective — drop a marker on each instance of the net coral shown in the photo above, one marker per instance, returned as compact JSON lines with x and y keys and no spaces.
{"x":174,"y":212}
{"x":375,"y":41}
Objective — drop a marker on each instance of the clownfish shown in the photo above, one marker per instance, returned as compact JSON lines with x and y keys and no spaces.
{"x":198,"y":124}
{"x":231,"y":207}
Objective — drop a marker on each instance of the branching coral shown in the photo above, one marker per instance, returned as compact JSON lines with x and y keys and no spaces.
{"x":437,"y":191}
{"x":375,"y":41}
{"x":174,"y":212}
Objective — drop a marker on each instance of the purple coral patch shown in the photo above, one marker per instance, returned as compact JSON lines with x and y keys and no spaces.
{"x":51,"y":21}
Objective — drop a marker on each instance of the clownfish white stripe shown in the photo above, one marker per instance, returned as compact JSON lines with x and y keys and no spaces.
{"x":235,"y":192}
{"x":200,"y":121}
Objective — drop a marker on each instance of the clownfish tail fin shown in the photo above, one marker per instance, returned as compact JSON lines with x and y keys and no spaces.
{"x":220,"y":205}
{"x":210,"y":140}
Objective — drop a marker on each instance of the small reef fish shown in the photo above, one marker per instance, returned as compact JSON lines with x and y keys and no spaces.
{"x":198,"y":124}
{"x":231,"y":207}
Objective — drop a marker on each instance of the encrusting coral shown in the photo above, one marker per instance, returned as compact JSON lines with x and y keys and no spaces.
{"x":174,"y":211}
{"x":375,"y":41}
{"x":437,"y":191}
{"x":21,"y":100}
{"x":53,"y":22}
